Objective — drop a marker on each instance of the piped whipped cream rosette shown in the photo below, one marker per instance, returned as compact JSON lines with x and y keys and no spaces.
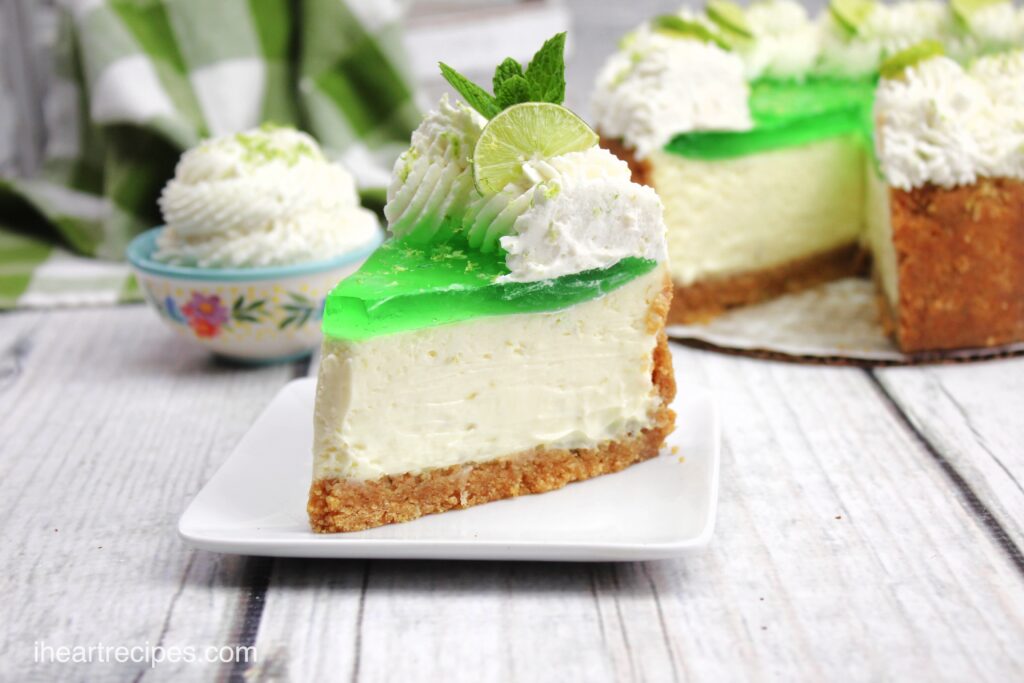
{"x":857,"y":35}
{"x":518,"y":183}
{"x":640,"y":97}
{"x":939,"y":123}
{"x":784,"y":41}
{"x":265,"y":197}
{"x":623,"y":219}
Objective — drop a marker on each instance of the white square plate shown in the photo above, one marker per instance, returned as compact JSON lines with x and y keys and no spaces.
{"x":256,"y":502}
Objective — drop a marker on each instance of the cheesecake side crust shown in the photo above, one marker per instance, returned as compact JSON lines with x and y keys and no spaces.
{"x":641,"y":168}
{"x":960,"y":264}
{"x":337,"y":504}
{"x":708,"y":298}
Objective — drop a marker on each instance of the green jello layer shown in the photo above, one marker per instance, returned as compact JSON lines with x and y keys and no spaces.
{"x":787,"y":114}
{"x":404,"y":287}
{"x":777,"y":103}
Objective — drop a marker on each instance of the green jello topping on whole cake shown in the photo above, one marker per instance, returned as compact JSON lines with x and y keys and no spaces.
{"x":787,"y":114}
{"x":505,"y":206}
{"x":777,"y":77}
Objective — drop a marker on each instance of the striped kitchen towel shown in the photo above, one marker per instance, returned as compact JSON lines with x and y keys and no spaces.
{"x":36,"y":273}
{"x":135,"y":82}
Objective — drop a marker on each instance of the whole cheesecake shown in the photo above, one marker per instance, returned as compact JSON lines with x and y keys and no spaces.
{"x":509,"y":338}
{"x":757,"y":127}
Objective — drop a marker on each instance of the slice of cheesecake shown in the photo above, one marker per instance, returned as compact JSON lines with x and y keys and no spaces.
{"x":946,"y":202}
{"x":509,"y":338}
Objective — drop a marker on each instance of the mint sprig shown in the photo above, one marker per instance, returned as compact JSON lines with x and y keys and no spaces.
{"x":475,"y":96}
{"x":546,"y":71}
{"x":506,"y":70}
{"x":543,"y":80}
{"x":513,"y":90}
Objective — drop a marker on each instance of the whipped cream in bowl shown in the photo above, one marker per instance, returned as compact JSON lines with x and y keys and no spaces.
{"x":260,"y":226}
{"x":266,"y":197}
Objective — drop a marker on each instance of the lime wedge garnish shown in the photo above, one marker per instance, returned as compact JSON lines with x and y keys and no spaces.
{"x":627,"y":40}
{"x":965,"y":9}
{"x":896,"y":64}
{"x":523,"y":132}
{"x":851,"y":14}
{"x":677,"y":27}
{"x":729,"y":16}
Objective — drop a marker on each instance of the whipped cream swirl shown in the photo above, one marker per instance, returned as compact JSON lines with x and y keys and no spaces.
{"x":940,"y":124}
{"x":886,"y":30}
{"x":265,"y":197}
{"x":658,"y":86}
{"x":785,"y":41}
{"x":432,"y":181}
{"x":568,"y":214}
{"x":585,"y":213}
{"x":989,"y":29}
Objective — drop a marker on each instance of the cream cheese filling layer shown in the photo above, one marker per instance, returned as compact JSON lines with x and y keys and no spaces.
{"x":488,"y":388}
{"x":878,"y":236}
{"x":730,"y":216}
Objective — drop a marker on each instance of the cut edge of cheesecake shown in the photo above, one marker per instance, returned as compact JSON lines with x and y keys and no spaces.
{"x":942,"y":284}
{"x":338,"y":504}
{"x":709,"y":297}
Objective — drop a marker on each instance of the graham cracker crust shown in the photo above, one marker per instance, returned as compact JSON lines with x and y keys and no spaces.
{"x":349,"y":505}
{"x":705,"y":299}
{"x":960,"y":264}
{"x":641,"y":169}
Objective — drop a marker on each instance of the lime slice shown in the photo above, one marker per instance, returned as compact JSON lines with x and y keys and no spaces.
{"x":677,"y":27}
{"x":730,"y":17}
{"x":851,"y":14}
{"x":523,"y":132}
{"x":965,"y":9}
{"x":895,"y":65}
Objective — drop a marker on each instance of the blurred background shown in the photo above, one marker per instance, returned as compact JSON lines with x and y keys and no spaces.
{"x":98,"y":98}
{"x":471,"y":35}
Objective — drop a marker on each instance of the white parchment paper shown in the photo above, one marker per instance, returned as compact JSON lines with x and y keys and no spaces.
{"x":836,"y":320}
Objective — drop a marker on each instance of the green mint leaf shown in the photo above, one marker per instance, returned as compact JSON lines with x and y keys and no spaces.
{"x":475,"y":96}
{"x":505,"y":71}
{"x":513,"y":90}
{"x":546,"y":71}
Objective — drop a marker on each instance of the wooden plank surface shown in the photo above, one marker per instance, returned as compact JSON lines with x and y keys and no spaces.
{"x":972,"y":416}
{"x":109,"y":426}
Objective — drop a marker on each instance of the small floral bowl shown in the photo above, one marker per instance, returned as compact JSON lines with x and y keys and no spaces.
{"x":248,"y":314}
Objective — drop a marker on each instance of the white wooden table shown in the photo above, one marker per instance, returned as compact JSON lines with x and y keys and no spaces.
{"x":870,"y":528}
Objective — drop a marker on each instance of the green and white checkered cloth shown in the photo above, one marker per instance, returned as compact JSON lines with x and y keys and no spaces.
{"x":139,"y":81}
